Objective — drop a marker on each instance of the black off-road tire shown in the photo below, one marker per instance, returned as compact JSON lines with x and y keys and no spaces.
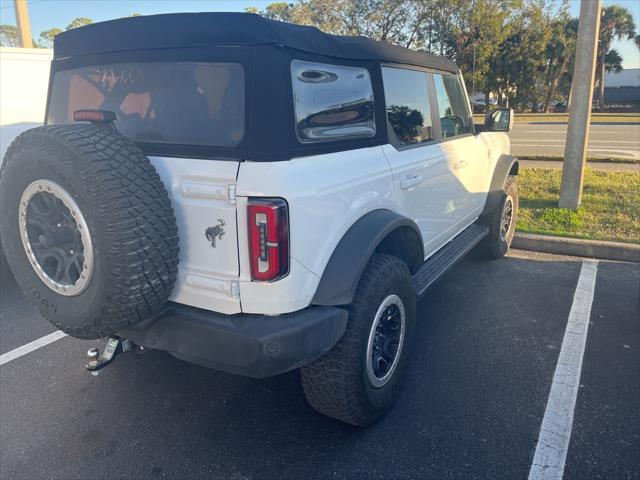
{"x":336,"y":384}
{"x":129,"y":218}
{"x":494,"y":245}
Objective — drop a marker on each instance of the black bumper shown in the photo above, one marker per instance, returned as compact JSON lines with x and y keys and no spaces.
{"x":251,"y":345}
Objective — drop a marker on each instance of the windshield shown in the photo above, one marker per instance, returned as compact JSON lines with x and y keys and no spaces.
{"x":161,"y":102}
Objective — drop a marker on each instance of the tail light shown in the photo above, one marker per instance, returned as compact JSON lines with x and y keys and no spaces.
{"x":268,"y":238}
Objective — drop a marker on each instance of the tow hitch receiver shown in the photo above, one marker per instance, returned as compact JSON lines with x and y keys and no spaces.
{"x":95,"y":361}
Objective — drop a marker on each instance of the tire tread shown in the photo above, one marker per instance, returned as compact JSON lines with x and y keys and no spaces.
{"x":135,"y":209}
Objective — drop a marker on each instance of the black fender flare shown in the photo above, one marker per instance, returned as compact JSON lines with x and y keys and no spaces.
{"x":342,"y":274}
{"x":507,"y":165}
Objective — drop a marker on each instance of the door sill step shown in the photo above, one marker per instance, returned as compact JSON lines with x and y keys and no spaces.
{"x":445,"y":258}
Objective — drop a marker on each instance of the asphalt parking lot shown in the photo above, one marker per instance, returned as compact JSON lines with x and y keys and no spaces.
{"x":489,"y":338}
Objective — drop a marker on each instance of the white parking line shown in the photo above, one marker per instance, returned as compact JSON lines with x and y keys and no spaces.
{"x":555,"y":432}
{"x":31,"y":346}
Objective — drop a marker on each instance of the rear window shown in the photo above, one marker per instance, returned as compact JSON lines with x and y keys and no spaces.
{"x":178,"y":102}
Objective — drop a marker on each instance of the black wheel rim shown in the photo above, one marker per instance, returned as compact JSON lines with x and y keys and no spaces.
{"x":386,"y":339}
{"x":55,"y":237}
{"x":506,"y":219}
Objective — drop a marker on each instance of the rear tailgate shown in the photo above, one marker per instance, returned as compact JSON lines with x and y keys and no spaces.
{"x":203,"y":196}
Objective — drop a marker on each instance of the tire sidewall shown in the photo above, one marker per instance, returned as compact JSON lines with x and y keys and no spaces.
{"x":25,"y":167}
{"x":399,"y":284}
{"x":499,"y":246}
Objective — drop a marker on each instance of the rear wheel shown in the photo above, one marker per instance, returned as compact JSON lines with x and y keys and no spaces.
{"x":360,"y":378}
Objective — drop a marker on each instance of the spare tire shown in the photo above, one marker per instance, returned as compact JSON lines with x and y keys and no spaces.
{"x":87,"y":227}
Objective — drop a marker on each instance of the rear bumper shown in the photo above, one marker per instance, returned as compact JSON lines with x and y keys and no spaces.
{"x":251,"y":345}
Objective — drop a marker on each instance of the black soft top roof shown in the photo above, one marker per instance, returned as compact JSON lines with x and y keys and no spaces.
{"x":183,"y":30}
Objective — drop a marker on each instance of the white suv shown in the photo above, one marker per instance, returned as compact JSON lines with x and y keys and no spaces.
{"x":253,"y":196}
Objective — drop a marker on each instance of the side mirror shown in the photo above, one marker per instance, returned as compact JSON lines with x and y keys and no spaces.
{"x":499,"y":120}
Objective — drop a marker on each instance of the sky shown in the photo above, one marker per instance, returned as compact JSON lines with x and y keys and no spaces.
{"x":46,"y":14}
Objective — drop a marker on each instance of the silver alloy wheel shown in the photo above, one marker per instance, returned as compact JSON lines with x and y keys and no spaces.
{"x":506,"y":219}
{"x":55,"y":237}
{"x":386,"y":338}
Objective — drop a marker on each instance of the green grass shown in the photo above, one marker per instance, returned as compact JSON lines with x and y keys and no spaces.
{"x":555,"y":158}
{"x":610,"y":207}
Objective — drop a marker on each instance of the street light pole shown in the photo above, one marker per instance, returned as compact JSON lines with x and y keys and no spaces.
{"x":22,"y":21}
{"x":575,"y":151}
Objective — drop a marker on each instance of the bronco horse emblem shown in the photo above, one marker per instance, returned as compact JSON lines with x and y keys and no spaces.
{"x":215,"y":232}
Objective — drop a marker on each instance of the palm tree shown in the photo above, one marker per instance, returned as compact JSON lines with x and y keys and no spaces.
{"x":613,"y":61}
{"x":637,"y":41}
{"x":560,"y":53}
{"x":615,"y":22}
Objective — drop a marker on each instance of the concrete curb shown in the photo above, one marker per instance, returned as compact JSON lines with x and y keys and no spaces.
{"x":624,"y":252}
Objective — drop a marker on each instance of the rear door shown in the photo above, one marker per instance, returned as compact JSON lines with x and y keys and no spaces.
{"x":422,"y":179}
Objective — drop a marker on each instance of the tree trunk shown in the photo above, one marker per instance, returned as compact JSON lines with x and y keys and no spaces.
{"x":552,"y":90}
{"x":569,"y":97}
{"x":601,"y":76}
{"x":547,"y":99}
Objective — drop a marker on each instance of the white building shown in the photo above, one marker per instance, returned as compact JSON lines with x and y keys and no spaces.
{"x":622,"y":87}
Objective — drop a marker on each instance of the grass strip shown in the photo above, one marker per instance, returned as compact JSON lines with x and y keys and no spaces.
{"x":555,"y":158}
{"x":610,"y":207}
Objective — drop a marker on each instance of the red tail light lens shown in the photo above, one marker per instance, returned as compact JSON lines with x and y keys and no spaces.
{"x":268,"y":238}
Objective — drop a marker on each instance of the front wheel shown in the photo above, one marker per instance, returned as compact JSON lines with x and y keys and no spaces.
{"x":502,"y":222}
{"x":360,"y":378}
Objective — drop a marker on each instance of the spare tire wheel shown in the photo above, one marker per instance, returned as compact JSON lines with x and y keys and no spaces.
{"x":87,"y":227}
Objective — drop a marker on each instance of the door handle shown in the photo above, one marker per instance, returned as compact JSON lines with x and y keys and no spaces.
{"x":410,"y":182}
{"x":459,"y":164}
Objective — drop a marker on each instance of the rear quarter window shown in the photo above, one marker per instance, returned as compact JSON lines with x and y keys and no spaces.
{"x":159,"y":102}
{"x":332,"y":102}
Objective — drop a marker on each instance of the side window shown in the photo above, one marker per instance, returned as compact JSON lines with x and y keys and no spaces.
{"x":455,"y":118}
{"x":332,"y":102}
{"x":408,"y":112}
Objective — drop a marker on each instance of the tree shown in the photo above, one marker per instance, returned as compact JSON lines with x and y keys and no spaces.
{"x":9,"y":36}
{"x":281,"y":11}
{"x":516,"y":70}
{"x":637,"y":41}
{"x":616,"y":22}
{"x":560,"y":52}
{"x":613,"y":61}
{"x":48,"y":35}
{"x":472,"y":35}
{"x":79,"y":22}
{"x":394,"y":21}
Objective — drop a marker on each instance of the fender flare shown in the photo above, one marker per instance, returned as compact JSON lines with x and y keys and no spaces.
{"x":350,"y":257}
{"x":507,"y":165}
